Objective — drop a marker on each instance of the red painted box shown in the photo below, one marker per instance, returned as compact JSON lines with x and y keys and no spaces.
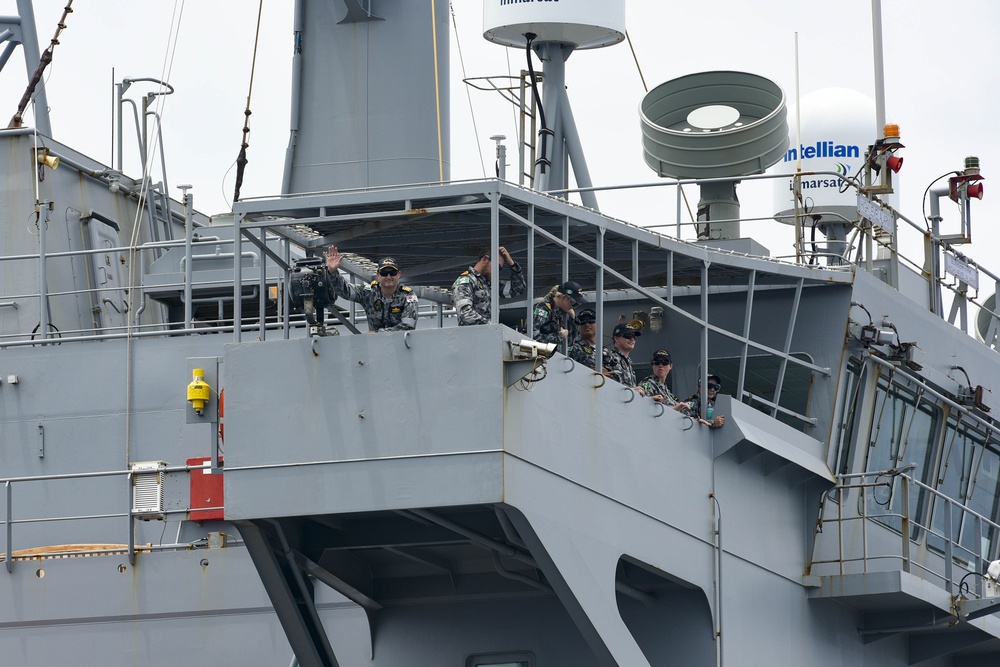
{"x":206,"y":491}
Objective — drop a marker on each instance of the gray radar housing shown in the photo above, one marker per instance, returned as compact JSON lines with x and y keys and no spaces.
{"x":714,"y":125}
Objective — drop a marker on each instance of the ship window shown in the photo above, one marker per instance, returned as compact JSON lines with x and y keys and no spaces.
{"x":517,"y":659}
{"x":903,"y":431}
{"x":761,"y":381}
{"x":970,"y":475}
{"x":848,"y":422}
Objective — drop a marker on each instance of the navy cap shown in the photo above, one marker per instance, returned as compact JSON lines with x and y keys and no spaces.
{"x":627,"y":327}
{"x":572,"y":289}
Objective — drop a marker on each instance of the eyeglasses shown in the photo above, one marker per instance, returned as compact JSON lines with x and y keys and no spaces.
{"x":714,"y":387}
{"x":388,"y":272}
{"x":660,"y":362}
{"x":629,"y":336}
{"x":583,"y":322}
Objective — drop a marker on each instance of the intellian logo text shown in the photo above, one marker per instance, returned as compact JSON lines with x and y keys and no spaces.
{"x":822,"y":149}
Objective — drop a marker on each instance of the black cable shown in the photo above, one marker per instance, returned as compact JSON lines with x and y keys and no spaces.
{"x":544,"y":132}
{"x":862,"y":307}
{"x":812,"y":241}
{"x":963,"y":588}
{"x":959,"y":368}
{"x":923,"y":200}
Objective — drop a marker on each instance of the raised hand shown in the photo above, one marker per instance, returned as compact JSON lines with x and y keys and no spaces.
{"x":333,"y":258}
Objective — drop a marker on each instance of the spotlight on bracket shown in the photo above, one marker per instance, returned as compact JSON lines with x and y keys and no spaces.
{"x":532,"y":349}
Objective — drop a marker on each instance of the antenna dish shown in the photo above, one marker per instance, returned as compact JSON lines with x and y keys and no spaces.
{"x":984,"y":322}
{"x":586,"y":24}
{"x":714,"y":125}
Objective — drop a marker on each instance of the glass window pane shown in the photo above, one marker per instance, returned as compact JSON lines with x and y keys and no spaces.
{"x":849,"y":402}
{"x":903,"y":431}
{"x":962,"y":447}
{"x":983,"y":500}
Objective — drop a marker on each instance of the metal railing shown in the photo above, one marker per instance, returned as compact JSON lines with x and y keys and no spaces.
{"x":903,"y":532}
{"x":122,"y":481}
{"x":280,"y":319}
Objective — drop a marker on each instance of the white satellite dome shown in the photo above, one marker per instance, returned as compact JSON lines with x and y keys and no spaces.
{"x":837,"y":126}
{"x":586,"y":24}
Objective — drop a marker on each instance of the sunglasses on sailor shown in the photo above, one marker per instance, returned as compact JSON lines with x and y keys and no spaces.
{"x":629,"y":336}
{"x":714,"y":387}
{"x":587,"y":321}
{"x":388,"y":272}
{"x":662,"y":362}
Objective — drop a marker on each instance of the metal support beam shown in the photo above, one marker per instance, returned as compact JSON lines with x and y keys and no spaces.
{"x":290,"y":595}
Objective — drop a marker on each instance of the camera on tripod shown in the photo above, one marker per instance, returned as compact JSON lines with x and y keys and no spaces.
{"x":310,"y":293}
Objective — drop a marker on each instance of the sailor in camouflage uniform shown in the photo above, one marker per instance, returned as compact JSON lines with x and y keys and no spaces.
{"x":655,"y":386}
{"x":554,"y":318}
{"x":694,"y":403}
{"x":471,"y":290}
{"x":388,"y":305}
{"x":585,"y":345}
{"x":616,"y":359}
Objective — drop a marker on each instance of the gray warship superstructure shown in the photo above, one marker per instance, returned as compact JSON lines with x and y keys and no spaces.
{"x":196,"y":470}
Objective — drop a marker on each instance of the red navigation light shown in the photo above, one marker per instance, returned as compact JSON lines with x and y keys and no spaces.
{"x":895,"y":163}
{"x":975,"y":190}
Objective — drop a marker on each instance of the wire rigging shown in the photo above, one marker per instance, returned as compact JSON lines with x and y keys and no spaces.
{"x":468,"y":93}
{"x":645,"y":88}
{"x":241,"y":160}
{"x":635,"y":59}
{"x":43,"y":61}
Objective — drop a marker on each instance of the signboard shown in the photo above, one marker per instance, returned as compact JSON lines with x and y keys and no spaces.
{"x":961,"y":270}
{"x":880,"y":217}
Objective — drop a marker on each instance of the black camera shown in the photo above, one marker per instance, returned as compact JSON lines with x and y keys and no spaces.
{"x":310,"y":293}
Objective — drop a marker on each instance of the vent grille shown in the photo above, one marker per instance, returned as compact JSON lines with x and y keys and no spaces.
{"x":147,"y":490}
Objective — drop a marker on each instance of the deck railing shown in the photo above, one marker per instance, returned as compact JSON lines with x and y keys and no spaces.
{"x":260,"y":220}
{"x":121,"y":480}
{"x":875,"y":521}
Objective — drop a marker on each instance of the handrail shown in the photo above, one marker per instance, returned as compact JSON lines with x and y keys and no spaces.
{"x":10,"y":554}
{"x":289,"y":228}
{"x":911,"y":531}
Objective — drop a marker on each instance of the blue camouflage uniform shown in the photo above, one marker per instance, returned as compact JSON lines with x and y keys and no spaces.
{"x":395,"y":313}
{"x":471,"y":293}
{"x":583,"y":352}
{"x":652,"y":386}
{"x":620,"y":366}
{"x":548,"y":320}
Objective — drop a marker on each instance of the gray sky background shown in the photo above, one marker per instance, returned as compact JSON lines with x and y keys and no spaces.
{"x":941,"y":70}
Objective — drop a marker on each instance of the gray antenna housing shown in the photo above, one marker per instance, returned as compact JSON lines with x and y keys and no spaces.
{"x":714,"y":125}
